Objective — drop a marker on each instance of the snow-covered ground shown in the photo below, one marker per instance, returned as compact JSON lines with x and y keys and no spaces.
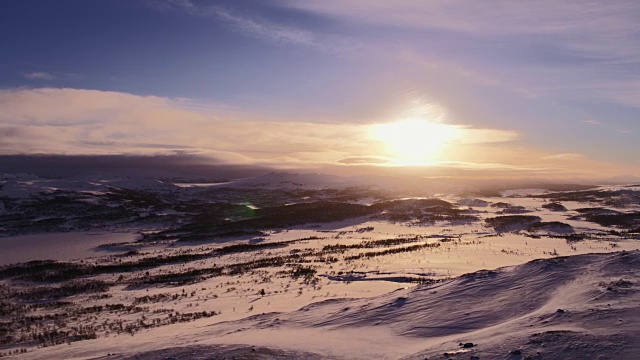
{"x":577,"y":307}
{"x":530,"y":274}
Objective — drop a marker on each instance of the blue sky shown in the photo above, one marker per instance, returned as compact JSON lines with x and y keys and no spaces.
{"x":537,"y":86}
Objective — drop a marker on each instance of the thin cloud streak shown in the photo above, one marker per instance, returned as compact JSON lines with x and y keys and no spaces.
{"x":264,"y":29}
{"x":569,"y":49}
{"x":39,"y":76}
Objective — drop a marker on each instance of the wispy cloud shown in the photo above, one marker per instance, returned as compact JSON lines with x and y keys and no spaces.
{"x":39,"y":76}
{"x":563,"y":156}
{"x":625,"y":131}
{"x":364,"y":160}
{"x":265,"y":30}
{"x":481,"y":136}
{"x":569,"y":49}
{"x":262,"y":28}
{"x":605,"y":29}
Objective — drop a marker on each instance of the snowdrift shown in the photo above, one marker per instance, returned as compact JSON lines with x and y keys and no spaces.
{"x":576,"y":307}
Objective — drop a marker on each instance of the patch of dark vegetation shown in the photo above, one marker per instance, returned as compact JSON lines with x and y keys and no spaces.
{"x":621,"y":220}
{"x":512,"y":222}
{"x":196,"y":275}
{"x":617,"y":198}
{"x":60,"y":210}
{"x":300,"y":214}
{"x":371,"y":254}
{"x":180,"y":278}
{"x":205,"y":218}
{"x":482,"y":274}
{"x":36,"y":268}
{"x":574,"y":237}
{"x":554,"y":206}
{"x":232,"y":249}
{"x":501,"y":205}
{"x":189,"y":276}
{"x":234,"y":234}
{"x":351,"y":276}
{"x":114,"y":245}
{"x":47,"y":271}
{"x":142,"y":199}
{"x":552,"y":226}
{"x":214,"y":213}
{"x":48,"y":293}
{"x":372,"y":244}
{"x":634,"y":231}
{"x":307,"y":273}
{"x":284,"y":216}
{"x":623,"y":284}
{"x":514,"y":210}
{"x":129,"y":253}
{"x":155,"y":298}
{"x":200,"y":213}
{"x":365,"y":229}
{"x":471,"y":202}
{"x":276,"y":217}
{"x":421,"y":210}
{"x":27,"y":328}
{"x":597,"y":211}
{"x":414,"y":280}
{"x":571,"y":237}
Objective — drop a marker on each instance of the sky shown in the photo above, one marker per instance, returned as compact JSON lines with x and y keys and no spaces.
{"x":541,"y":88}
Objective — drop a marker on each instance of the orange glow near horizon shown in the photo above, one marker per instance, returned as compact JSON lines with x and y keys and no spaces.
{"x":414,"y":141}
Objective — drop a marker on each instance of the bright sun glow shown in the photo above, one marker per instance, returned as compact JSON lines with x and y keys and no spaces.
{"x":414,"y":141}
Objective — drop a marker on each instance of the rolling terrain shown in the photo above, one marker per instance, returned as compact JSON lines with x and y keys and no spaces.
{"x":288,"y":265}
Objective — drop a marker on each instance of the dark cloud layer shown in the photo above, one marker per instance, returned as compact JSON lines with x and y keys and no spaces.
{"x":188,"y":167}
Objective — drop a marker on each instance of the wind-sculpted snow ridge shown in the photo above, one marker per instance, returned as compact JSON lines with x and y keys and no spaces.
{"x":575,"y":307}
{"x":558,"y":308}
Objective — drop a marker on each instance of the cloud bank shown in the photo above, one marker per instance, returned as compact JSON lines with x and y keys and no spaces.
{"x":74,"y":121}
{"x":81,"y":122}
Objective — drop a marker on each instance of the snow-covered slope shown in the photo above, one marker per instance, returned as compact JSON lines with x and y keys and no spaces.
{"x":559,"y":308}
{"x":577,"y":307}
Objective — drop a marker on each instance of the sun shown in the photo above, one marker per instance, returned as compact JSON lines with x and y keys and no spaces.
{"x":414,"y":141}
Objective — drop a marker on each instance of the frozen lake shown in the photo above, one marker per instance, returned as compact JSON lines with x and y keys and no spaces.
{"x":56,"y":246}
